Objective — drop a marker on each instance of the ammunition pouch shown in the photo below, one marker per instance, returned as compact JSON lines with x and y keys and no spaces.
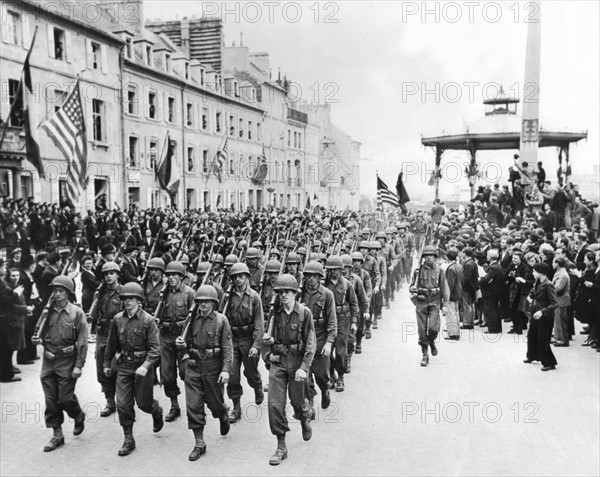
{"x":204,"y":354}
{"x":132,"y":357}
{"x":59,"y":351}
{"x":285,"y":350}
{"x":242,"y":330}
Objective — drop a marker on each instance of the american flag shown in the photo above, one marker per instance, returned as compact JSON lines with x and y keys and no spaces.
{"x":385,"y":196}
{"x":66,"y":127}
{"x":220,"y":160}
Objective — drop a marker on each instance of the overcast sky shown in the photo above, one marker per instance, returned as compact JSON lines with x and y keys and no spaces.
{"x":377,"y":58}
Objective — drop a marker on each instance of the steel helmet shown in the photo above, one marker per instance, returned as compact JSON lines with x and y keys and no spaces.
{"x":176,"y":267}
{"x":301,"y":251}
{"x":429,"y":250}
{"x":203,"y":267}
{"x":364,"y":244}
{"x":242,"y":244}
{"x":347,"y":260}
{"x":207,"y":292}
{"x":292,"y":258}
{"x":231,"y":259}
{"x":394,"y":229}
{"x":379,"y":235}
{"x":65,"y":282}
{"x":387,"y":230}
{"x":157,"y":262}
{"x":333,"y":262}
{"x":376,"y":244}
{"x":238,"y":268}
{"x":314,"y":268}
{"x":286,"y":282}
{"x":357,"y":256}
{"x":313,"y":256}
{"x":185,"y":259}
{"x":257,"y":244}
{"x":322,"y":256}
{"x":111,"y":267}
{"x":252,"y":252}
{"x":290,"y":244}
{"x":132,"y":289}
{"x":217,"y":258}
{"x":273,"y":266}
{"x":365,"y":231}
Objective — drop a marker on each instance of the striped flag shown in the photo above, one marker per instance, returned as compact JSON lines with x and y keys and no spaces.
{"x":66,"y":127}
{"x":385,"y":195}
{"x":167,"y":168}
{"x":220,"y":160}
{"x":260,"y":173}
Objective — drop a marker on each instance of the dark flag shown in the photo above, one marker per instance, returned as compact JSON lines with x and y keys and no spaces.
{"x":402,"y":194}
{"x":167,"y":169}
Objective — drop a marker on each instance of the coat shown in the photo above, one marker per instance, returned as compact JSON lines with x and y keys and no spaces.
{"x":12,"y":319}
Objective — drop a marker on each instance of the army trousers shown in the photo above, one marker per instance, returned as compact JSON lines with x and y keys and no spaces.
{"x":319,"y":372}
{"x":340,"y":345}
{"x":59,"y":390}
{"x":108,"y":383}
{"x":133,"y":388}
{"x":428,"y":320}
{"x":241,"y":348}
{"x":201,"y":388}
{"x":170,"y":362}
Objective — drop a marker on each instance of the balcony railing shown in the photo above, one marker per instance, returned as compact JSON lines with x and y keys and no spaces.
{"x":298,"y":116}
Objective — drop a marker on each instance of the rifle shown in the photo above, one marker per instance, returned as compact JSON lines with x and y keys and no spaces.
{"x":262,"y":274}
{"x":184,"y":243}
{"x":268,"y":337}
{"x":145,"y":276}
{"x":302,"y":284}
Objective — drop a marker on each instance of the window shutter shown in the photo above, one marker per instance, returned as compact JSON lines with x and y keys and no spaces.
{"x":90,"y":119}
{"x":103,"y":52}
{"x":108,"y":124}
{"x":68,"y":52}
{"x":50,"y":32}
{"x":89,"y":59}
{"x":25,"y":30}
{"x":159,"y":105}
{"x":145,"y":112}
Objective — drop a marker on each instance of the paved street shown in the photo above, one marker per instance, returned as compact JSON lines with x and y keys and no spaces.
{"x":475,"y":410}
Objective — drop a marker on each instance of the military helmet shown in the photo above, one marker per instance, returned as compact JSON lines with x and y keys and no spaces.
{"x":394,"y":229}
{"x":365,"y":231}
{"x":157,"y":262}
{"x":403,"y":225}
{"x":290,"y":244}
{"x":207,"y":292}
{"x":217,"y":258}
{"x":132,"y":289}
{"x":286,"y":282}
{"x":231,"y":259}
{"x":203,"y":267}
{"x":275,"y":251}
{"x":252,"y":252}
{"x":357,"y":256}
{"x":111,"y":267}
{"x":346,"y":260}
{"x":322,"y":257}
{"x":238,"y":268}
{"x":65,"y":282}
{"x":176,"y":267}
{"x":257,"y":244}
{"x":273,"y":266}
{"x":301,"y":251}
{"x":315,"y":268}
{"x":387,"y":230}
{"x":364,"y":244}
{"x":333,"y":262}
{"x":292,"y":258}
{"x":381,"y":235}
{"x":185,"y":259}
{"x":429,"y":250}
{"x":376,"y":244}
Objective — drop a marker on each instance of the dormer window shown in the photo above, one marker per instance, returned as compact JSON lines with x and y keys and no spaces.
{"x":167,"y":62}
{"x":202,"y":76}
{"x":186,"y":70}
{"x":128,"y":47}
{"x":149,"y":55}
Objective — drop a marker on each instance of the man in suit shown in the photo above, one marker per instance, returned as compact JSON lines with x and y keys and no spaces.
{"x":491,"y":289}
{"x":470,"y":287}
{"x":129,"y":268}
{"x":581,"y":247}
{"x":79,"y":245}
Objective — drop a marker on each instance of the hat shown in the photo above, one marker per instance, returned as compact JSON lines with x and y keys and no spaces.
{"x":28,"y":261}
{"x":131,"y":248}
{"x":542,"y":268}
{"x":16,"y":250}
{"x":108,"y":248}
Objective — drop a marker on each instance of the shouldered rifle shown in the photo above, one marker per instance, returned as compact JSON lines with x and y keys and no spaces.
{"x":268,"y":337}
{"x":181,"y":341}
{"x":262,"y":274}
{"x":145,"y":276}
{"x":184,"y":243}
{"x":302,"y":284}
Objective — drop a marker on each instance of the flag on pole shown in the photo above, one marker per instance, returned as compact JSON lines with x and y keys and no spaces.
{"x":385,"y":195}
{"x":307,"y":206}
{"x":66,"y":127}
{"x":315,"y":202}
{"x":167,"y":168}
{"x":402,"y":194}
{"x":220,"y":160}
{"x":261,"y":169}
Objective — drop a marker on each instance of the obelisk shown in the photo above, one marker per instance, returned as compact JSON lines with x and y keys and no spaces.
{"x":530,"y":126}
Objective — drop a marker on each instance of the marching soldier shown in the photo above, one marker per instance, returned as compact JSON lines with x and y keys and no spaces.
{"x":321,"y":302}
{"x":178,"y":298}
{"x":364,"y":314}
{"x":292,"y":266}
{"x":133,"y":340}
{"x":65,"y":350}
{"x":370,"y":266}
{"x":292,"y":341}
{"x":429,"y":291}
{"x":107,"y":253}
{"x":245,"y":314}
{"x":208,"y":345}
{"x":106,"y":305}
{"x":346,"y":311}
{"x":408,"y":239}
{"x":252,"y":258}
{"x":201,"y":271}
{"x":390,"y":259}
{"x":378,"y":294}
{"x":189,"y":277}
{"x":154,"y":285}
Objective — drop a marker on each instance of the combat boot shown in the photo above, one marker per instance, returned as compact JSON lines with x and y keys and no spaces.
{"x":157,"y":419}
{"x":200,"y":445}
{"x":128,"y":443}
{"x":434,"y":350}
{"x":325,"y":399}
{"x":236,"y":413}
{"x":280,"y":452}
{"x":57,"y":440}
{"x":225,"y":426}
{"x":259,"y":396}
{"x":111,"y":405}
{"x":306,"y":430}
{"x":79,"y":424}
{"x":358,"y":348}
{"x":348,"y":363}
{"x":174,"y":412}
{"x":425,"y":359}
{"x":376,"y":318}
{"x":368,"y":330}
{"x":339,"y":385}
{"x":387,"y":304}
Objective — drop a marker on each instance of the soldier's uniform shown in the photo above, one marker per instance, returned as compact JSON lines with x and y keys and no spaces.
{"x":152,"y":294}
{"x":255,"y":274}
{"x":387,"y":253}
{"x":407,"y":257}
{"x":321,"y":303}
{"x":378,"y":297}
{"x":363,"y":307}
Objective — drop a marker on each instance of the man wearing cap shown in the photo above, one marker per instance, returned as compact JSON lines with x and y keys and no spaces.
{"x":129,"y":268}
{"x":292,"y":345}
{"x":107,"y":253}
{"x":492,"y":286}
{"x":208,"y":345}
{"x":133,"y":341}
{"x":64,"y":338}
{"x":429,"y":292}
{"x":245,"y":313}
{"x":106,"y":305}
{"x":178,"y":298}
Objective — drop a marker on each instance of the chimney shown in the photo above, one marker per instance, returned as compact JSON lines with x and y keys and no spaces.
{"x":185,"y":35}
{"x":262,"y":62}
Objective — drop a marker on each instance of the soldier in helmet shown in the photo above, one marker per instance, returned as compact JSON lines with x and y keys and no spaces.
{"x":178,"y":298}
{"x":378,"y":294}
{"x":133,"y":339}
{"x":245,"y":314}
{"x":203,"y":269}
{"x":429,"y":292}
{"x":209,"y":350}
{"x":107,"y":253}
{"x":291,"y":337}
{"x":225,"y":280}
{"x":292,"y":266}
{"x":106,"y":305}
{"x":321,"y":302}
{"x":346,"y":310}
{"x":216,"y":270}
{"x":369,"y":265}
{"x":364,"y":314}
{"x":189,"y":277}
{"x":390,"y":261}
{"x":407,"y":239}
{"x":65,"y":350}
{"x":256,"y":269}
{"x":154,"y":285}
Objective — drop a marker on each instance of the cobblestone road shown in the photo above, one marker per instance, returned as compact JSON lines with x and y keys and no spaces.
{"x":475,"y":410}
